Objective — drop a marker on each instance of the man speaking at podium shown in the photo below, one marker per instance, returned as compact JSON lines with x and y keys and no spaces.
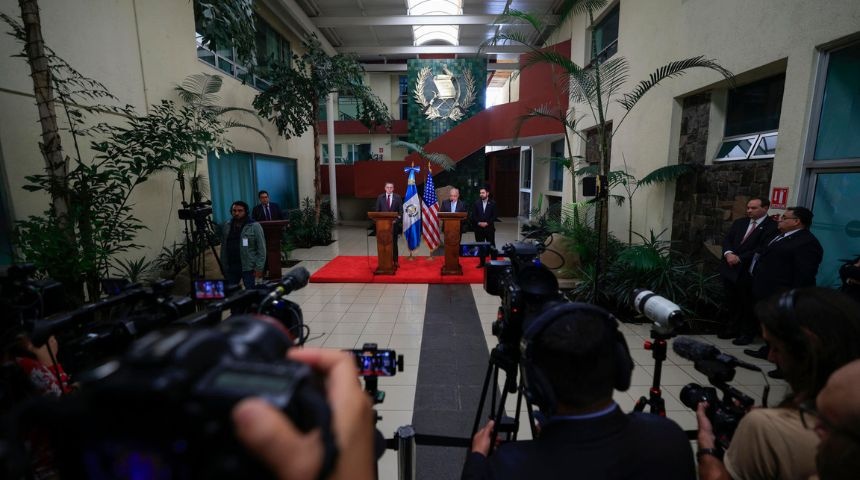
{"x":391,"y":202}
{"x":266,"y":210}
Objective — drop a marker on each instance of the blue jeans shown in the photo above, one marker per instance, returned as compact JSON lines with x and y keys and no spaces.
{"x":247,"y":278}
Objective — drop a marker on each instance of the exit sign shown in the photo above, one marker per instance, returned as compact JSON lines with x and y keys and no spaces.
{"x":779,"y":197}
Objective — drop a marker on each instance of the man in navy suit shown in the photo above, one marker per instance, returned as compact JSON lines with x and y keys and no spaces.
{"x":791,"y":259}
{"x":483,"y":217}
{"x":392,"y":202}
{"x":453,"y":204}
{"x":745,"y":237}
{"x":266,"y":210}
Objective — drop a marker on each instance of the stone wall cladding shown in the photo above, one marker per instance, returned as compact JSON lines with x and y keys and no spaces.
{"x":707,"y":202}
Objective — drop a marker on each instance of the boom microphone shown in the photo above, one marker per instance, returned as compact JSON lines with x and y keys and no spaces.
{"x":695,"y":351}
{"x":293,"y":280}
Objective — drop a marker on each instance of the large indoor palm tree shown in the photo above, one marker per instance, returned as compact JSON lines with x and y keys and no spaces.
{"x":591,"y":90}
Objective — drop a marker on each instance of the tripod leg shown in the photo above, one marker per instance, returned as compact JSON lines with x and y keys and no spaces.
{"x":483,"y":398}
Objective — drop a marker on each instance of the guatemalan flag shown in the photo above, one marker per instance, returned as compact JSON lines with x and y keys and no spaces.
{"x":412,"y":210}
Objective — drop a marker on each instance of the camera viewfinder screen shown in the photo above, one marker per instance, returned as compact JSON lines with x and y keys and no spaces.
{"x":209,"y":289}
{"x":467,"y":250}
{"x":382,"y":363}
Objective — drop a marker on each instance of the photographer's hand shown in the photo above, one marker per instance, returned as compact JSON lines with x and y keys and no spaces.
{"x":481,"y":440}
{"x":293,"y":455}
{"x":710,"y":467}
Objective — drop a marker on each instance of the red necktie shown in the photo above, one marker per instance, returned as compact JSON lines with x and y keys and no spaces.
{"x":749,"y":231}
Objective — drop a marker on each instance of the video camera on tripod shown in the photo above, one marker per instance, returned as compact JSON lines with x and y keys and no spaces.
{"x":526,"y":288}
{"x":163,"y":409}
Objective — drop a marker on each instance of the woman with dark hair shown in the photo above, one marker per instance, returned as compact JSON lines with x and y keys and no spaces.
{"x":811,"y":333}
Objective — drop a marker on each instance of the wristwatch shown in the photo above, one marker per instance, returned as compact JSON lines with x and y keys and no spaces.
{"x":714,"y":452}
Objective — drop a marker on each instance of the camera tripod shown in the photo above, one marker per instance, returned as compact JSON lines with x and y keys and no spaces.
{"x":199,"y":233}
{"x":505,"y":358}
{"x":655,"y":401}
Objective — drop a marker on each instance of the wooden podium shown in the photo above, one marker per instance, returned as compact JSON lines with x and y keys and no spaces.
{"x":273,"y":230}
{"x":451,"y":227}
{"x":384,"y":241}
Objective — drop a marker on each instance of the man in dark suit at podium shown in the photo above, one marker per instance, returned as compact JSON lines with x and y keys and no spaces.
{"x":266,"y":210}
{"x":483,"y":218}
{"x":453,"y":204}
{"x":391,"y":202}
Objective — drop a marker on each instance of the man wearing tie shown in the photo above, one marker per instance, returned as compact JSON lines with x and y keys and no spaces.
{"x":391,"y":202}
{"x":266,"y":210}
{"x":453,"y":204}
{"x":791,"y":259}
{"x":745,"y":237}
{"x":483,"y":216}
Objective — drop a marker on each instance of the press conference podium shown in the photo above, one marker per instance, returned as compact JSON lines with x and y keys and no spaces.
{"x":273,"y":230}
{"x":384,"y":241}
{"x":451,"y":225}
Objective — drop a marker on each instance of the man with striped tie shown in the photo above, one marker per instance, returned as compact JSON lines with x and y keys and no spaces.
{"x":745,"y":237}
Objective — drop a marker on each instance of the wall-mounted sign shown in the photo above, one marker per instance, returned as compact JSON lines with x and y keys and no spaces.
{"x":779,"y":197}
{"x":445,"y":95}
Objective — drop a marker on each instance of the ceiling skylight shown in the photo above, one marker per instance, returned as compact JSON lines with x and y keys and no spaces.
{"x":434,"y":34}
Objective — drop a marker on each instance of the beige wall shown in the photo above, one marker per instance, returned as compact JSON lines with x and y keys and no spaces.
{"x":752,"y":39}
{"x":140,"y":49}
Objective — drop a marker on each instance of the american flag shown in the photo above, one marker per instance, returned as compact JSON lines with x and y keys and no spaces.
{"x":429,"y":212}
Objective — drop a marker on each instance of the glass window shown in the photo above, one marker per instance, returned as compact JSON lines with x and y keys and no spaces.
{"x":755,"y":107}
{"x":606,"y":35}
{"x":556,"y":167}
{"x":766,"y":146}
{"x":836,"y":223}
{"x":526,"y":169}
{"x":840,"y":110}
{"x":270,"y":45}
{"x":736,"y":148}
{"x":403,"y":100}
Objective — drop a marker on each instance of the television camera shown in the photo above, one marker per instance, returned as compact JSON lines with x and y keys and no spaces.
{"x":162,"y":409}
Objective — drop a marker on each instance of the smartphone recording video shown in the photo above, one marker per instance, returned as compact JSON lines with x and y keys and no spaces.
{"x":376,"y":363}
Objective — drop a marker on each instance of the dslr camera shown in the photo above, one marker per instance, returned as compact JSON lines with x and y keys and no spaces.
{"x":725,"y":413}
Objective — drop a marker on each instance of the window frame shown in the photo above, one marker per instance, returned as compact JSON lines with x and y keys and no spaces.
{"x":756,"y":139}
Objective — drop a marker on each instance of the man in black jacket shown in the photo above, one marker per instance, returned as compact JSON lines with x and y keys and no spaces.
{"x":483,"y":218}
{"x":392,"y":202}
{"x":745,"y":237}
{"x":266,"y":210}
{"x":582,"y":358}
{"x":789,"y":260}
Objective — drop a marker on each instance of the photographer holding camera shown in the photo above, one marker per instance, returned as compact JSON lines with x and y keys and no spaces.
{"x":292,"y":455}
{"x":572,"y":358}
{"x":811,"y":333}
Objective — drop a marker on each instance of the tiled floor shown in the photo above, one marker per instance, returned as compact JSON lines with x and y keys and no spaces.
{"x":347,"y":315}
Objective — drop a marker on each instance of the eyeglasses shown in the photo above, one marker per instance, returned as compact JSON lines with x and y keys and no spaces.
{"x":813,"y":420}
{"x":788,"y":218}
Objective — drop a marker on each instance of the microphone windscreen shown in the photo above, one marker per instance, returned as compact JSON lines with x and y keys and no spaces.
{"x":694,"y":349}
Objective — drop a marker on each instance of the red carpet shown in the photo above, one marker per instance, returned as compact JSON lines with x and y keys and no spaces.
{"x":359,"y":269}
